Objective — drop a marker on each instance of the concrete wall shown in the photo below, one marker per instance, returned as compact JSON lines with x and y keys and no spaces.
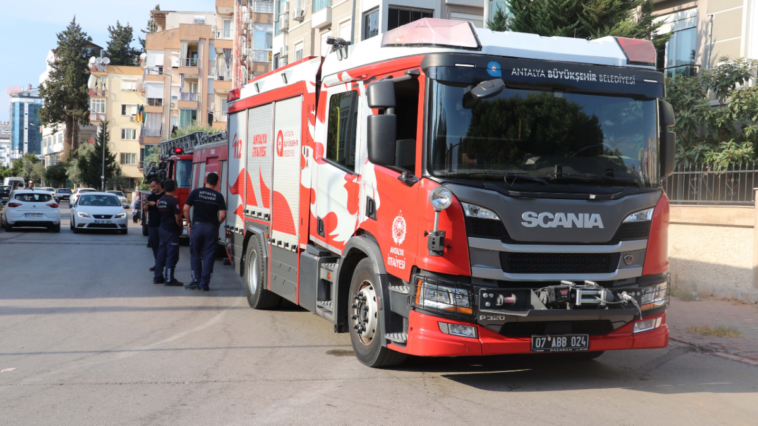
{"x":712,"y":250}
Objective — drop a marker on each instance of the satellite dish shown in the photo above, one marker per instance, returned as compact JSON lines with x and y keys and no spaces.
{"x":99,"y":60}
{"x":106,"y":61}
{"x":92,"y":60}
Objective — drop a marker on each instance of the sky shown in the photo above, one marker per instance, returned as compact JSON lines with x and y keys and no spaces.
{"x":28,"y":29}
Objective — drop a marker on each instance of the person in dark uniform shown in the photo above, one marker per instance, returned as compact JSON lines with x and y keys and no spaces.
{"x":153,"y":218}
{"x":170,"y":230}
{"x":209,"y":213}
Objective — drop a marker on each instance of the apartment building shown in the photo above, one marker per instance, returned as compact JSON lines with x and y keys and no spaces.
{"x":703,"y":31}
{"x":5,"y":143}
{"x":187,"y":72}
{"x":302,"y":26}
{"x":249,"y":26}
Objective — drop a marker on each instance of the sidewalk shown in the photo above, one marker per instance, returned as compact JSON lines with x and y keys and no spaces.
{"x":682,"y":315}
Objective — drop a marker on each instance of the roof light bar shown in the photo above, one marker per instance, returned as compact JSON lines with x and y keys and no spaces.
{"x":638,"y":52}
{"x":433,"y":32}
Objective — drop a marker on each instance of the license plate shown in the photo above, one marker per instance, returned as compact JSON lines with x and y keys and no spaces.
{"x":34,"y":215}
{"x":561,"y":343}
{"x":98,"y":222}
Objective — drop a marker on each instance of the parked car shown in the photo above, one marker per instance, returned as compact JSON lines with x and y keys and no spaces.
{"x":27,"y":207}
{"x":62,"y":194}
{"x":79,"y":191}
{"x":5,"y":192}
{"x":121,"y":197}
{"x":46,"y":189}
{"x":98,"y":210}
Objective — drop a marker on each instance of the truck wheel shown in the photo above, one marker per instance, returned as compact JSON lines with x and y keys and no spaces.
{"x":258,"y":297}
{"x":366,"y":328}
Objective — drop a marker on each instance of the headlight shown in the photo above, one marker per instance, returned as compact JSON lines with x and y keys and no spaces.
{"x":120,"y":215}
{"x":654,"y":297}
{"x":441,"y":198}
{"x":446,"y":298}
{"x":640,"y":216}
{"x":82,"y":214}
{"x":479,"y":212}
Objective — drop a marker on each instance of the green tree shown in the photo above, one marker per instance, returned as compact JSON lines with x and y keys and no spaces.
{"x":151,"y":27}
{"x":65,"y":95}
{"x":499,"y":20}
{"x":588,"y":19}
{"x":120,"y":50}
{"x":30,"y":168}
{"x":91,"y":165}
{"x":56,"y":175}
{"x":72,"y":166}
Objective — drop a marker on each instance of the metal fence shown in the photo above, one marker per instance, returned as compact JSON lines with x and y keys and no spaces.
{"x":705,"y":184}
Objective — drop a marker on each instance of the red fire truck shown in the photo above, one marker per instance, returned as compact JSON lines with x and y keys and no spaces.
{"x":441,"y":190}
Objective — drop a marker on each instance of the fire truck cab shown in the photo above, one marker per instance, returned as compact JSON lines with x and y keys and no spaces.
{"x":441,"y":190}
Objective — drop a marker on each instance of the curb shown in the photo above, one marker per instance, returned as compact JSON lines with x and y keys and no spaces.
{"x":738,"y":358}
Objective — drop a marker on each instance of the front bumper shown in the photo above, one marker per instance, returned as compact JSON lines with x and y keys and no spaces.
{"x":426,"y":339}
{"x":89,"y":223}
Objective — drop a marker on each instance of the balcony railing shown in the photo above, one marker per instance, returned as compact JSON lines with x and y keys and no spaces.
{"x":188,"y":62}
{"x":223,"y":34}
{"x":97,"y":92}
{"x":187,"y":96}
{"x":219,"y":116}
{"x":156,"y":70}
{"x":263,"y":6}
{"x":154,"y":102}
{"x":150,"y":133}
{"x":97,"y":116}
{"x":261,"y":56}
{"x":223,"y":75}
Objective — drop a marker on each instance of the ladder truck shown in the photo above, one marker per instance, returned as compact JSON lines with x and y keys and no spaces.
{"x":443,"y":190}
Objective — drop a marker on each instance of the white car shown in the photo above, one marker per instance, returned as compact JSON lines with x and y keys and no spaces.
{"x":77,"y":192}
{"x":121,"y":198}
{"x":28,"y":207}
{"x":98,"y":210}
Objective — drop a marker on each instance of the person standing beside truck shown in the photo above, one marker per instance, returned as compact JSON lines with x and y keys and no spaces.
{"x":170,"y":230}
{"x":209,"y":213}
{"x":153,"y":218}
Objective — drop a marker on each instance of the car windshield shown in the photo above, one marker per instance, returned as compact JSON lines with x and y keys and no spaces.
{"x":552,"y":135}
{"x":99,"y":201}
{"x":86,"y":190}
{"x":183,"y":173}
{"x":116,"y":193}
{"x":64,"y":190}
{"x":33,"y":198}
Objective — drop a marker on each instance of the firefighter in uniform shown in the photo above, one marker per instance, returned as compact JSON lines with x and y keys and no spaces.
{"x":209,"y":212}
{"x":170,"y":230}
{"x":153,"y":218}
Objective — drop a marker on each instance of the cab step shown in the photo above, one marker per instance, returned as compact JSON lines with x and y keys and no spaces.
{"x":399,"y":338}
{"x":325,"y":305}
{"x":402,"y":289}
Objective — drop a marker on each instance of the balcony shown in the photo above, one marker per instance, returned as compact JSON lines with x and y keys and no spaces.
{"x":322,"y":13}
{"x":221,"y":33}
{"x":96,"y":117}
{"x":219,"y":116}
{"x":150,"y":133}
{"x":188,"y":62}
{"x":263,"y":6}
{"x":223,"y":75}
{"x":261,"y":56}
{"x":188,"y":96}
{"x":97,"y":93}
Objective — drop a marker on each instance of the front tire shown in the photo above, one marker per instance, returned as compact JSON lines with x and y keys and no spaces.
{"x":258,"y":297}
{"x":124,"y":231}
{"x":73,"y":227}
{"x":56,"y":228}
{"x":366,"y":327}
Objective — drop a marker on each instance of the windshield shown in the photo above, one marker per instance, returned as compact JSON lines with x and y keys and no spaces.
{"x":183,"y":173}
{"x":86,"y":190}
{"x":99,"y":201}
{"x":33,"y":198}
{"x":554,"y":135}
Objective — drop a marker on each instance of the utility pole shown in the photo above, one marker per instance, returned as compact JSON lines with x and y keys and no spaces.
{"x":102,"y":175}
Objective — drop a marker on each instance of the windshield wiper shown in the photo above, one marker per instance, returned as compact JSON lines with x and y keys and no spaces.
{"x":595,"y":177}
{"x":505,"y":175}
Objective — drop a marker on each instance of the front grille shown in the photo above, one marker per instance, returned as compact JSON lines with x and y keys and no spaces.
{"x":556,"y":263}
{"x":485,"y":228}
{"x":102,"y":216}
{"x":632,"y":231}
{"x":528,"y":329}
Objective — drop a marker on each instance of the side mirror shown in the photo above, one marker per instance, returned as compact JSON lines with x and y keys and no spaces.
{"x":381,"y":94}
{"x":381,"y":139}
{"x":668,"y":139}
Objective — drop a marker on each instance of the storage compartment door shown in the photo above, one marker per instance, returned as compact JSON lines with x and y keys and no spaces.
{"x":259,"y":146}
{"x":236,"y":165}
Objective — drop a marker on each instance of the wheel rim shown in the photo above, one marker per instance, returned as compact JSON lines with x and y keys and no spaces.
{"x":252,"y":274}
{"x":365,"y":312}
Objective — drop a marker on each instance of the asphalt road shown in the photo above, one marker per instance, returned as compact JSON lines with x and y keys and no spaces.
{"x":93,"y":341}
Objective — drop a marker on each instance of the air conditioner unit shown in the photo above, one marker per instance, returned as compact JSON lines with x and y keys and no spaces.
{"x":283,"y":52}
{"x":284,"y":22}
{"x":173,"y":105}
{"x":298,"y":15}
{"x":286,"y":9}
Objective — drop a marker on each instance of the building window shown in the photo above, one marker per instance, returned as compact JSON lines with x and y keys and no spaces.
{"x":320,"y":4}
{"x":97,"y":106}
{"x":128,"y":159}
{"x":128,"y":134}
{"x":677,"y":57}
{"x":370,"y":24}
{"x":281,"y":6}
{"x":187,"y":117}
{"x":128,"y":109}
{"x":340,"y":145}
{"x":299,"y":51}
{"x":227,"y":28}
{"x":400,"y":16}
{"x":129,"y":85}
{"x":345,"y":30}
{"x":154,"y":102}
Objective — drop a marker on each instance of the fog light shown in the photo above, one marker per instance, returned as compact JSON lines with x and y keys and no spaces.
{"x":458,"y":330}
{"x":647,"y":325}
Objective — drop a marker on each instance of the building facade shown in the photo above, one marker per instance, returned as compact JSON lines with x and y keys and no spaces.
{"x":704,"y":31}
{"x":5,"y":143}
{"x":301,"y":27}
{"x":26,"y":135}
